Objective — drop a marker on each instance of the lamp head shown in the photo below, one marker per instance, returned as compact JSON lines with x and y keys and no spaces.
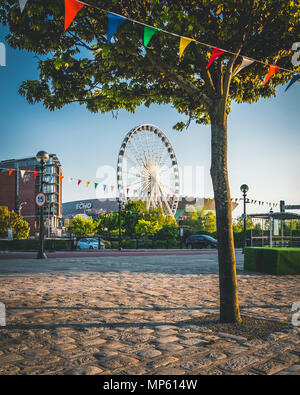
{"x":42,"y":156}
{"x":244,"y":188}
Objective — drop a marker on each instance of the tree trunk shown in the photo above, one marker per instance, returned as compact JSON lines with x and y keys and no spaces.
{"x":229,"y":305}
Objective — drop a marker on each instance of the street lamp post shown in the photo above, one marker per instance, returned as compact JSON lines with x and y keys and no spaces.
{"x":244,"y":190}
{"x":42,"y":157}
{"x":120,"y":232}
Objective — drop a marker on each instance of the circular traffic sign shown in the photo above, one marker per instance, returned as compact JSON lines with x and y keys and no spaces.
{"x":40,"y":199}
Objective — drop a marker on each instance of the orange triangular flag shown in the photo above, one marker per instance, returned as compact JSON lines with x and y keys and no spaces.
{"x":61,"y":178}
{"x":88,"y":183}
{"x":10,"y":172}
{"x":272,"y":71}
{"x":184,"y":42}
{"x":72,"y":7}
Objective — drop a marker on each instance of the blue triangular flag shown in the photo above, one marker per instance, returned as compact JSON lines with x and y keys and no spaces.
{"x":114,"y":22}
{"x":293,"y":80}
{"x":22,"y":4}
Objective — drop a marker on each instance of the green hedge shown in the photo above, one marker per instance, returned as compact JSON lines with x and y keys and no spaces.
{"x":33,"y":245}
{"x":278,"y":261}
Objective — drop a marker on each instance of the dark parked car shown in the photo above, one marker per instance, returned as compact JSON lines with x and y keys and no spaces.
{"x":201,"y":241}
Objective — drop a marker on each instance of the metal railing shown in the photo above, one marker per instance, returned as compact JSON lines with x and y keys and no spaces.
{"x":277,"y":241}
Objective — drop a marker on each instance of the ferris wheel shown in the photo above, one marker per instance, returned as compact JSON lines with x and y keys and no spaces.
{"x":147,"y":169}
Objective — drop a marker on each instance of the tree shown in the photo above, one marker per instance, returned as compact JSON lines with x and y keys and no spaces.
{"x":81,"y":67}
{"x":210,"y":222}
{"x":147,"y":228}
{"x":83,"y":227}
{"x":249,"y":223}
{"x":168,"y":232}
{"x":108,"y":223}
{"x":131,"y":217}
{"x":14,"y":221}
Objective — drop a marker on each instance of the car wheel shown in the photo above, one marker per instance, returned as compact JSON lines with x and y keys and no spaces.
{"x":209,"y":246}
{"x":190,"y":247}
{"x":91,"y":247}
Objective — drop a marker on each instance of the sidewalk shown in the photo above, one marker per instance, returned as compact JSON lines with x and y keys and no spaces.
{"x":127,"y":315}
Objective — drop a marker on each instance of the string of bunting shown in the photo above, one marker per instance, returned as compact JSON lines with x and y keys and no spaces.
{"x":73,"y":7}
{"x":111,"y":188}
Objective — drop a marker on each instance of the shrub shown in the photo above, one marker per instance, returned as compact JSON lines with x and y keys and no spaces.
{"x":272,"y":260}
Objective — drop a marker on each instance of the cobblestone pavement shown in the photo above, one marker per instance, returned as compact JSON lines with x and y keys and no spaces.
{"x":124,"y":315}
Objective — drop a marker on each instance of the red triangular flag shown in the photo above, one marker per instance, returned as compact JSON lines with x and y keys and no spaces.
{"x":61,"y":178}
{"x":272,"y":71}
{"x":35,"y":174}
{"x":216,"y":53}
{"x":79,"y":182}
{"x":72,"y":7}
{"x":10,"y":172}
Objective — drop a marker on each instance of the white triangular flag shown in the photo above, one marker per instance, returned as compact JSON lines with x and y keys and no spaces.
{"x":22,"y":4}
{"x":245,"y":63}
{"x":22,"y":172}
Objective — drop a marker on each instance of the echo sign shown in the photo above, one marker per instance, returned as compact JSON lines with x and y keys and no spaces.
{"x":83,"y":206}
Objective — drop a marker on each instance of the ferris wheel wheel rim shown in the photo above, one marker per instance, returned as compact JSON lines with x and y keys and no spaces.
{"x":164,"y":139}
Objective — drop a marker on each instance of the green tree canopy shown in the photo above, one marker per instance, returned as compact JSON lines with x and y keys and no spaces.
{"x":82,"y":226}
{"x":14,"y":221}
{"x":147,"y":228}
{"x":131,"y":217}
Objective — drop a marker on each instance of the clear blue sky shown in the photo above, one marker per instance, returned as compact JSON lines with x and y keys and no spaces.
{"x":264,"y":138}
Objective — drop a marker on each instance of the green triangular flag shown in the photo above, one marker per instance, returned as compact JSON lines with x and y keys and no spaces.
{"x":149,"y":33}
{"x":96,"y":185}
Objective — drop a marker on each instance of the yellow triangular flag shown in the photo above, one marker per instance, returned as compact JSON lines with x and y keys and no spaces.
{"x":184,"y":42}
{"x":87,"y":183}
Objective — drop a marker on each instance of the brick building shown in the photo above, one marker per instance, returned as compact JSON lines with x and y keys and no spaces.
{"x":18,"y":190}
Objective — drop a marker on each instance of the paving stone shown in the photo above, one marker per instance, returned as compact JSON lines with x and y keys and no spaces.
{"x":150,"y":353}
{"x":170,"y":372}
{"x":214,"y":372}
{"x":294,"y":368}
{"x":85,"y":371}
{"x":117,"y":362}
{"x":170,"y":347}
{"x":215,"y":356}
{"x":105,"y":354}
{"x":192,"y":335}
{"x":162,"y":362}
{"x":196,"y":364}
{"x":271,"y":367}
{"x":237,"y":364}
{"x":232,"y":337}
{"x":94,"y":342}
{"x":10,"y":358}
{"x":235,"y":350}
{"x":144,"y":331}
{"x":167,"y":339}
{"x":193,"y":342}
{"x":286,"y":357}
{"x":64,"y":347}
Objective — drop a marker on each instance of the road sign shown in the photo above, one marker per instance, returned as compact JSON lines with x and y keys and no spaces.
{"x":244,"y":216}
{"x":40,"y":199}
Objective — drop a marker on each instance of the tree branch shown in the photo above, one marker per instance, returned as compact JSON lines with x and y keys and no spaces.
{"x":181,"y":82}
